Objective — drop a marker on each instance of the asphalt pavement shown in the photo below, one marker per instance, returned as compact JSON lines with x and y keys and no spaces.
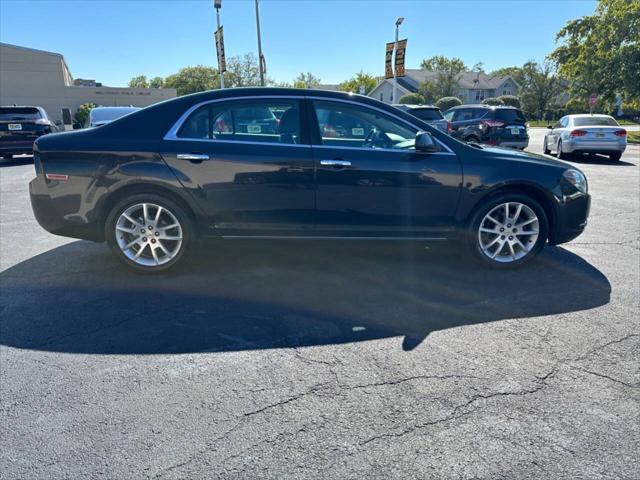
{"x":323,"y":360}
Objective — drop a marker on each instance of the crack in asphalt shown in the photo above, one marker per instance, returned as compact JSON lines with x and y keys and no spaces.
{"x":602,"y":375}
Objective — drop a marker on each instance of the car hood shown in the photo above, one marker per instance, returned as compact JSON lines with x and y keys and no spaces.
{"x":522,"y":156}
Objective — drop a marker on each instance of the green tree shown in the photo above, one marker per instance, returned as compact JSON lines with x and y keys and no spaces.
{"x":306,"y":80}
{"x":510,"y":100}
{"x":411,"y":99}
{"x":448,"y":70}
{"x":601,"y":53}
{"x":492,"y":101}
{"x":242,"y":71}
{"x":446,"y":103}
{"x":429,"y":91}
{"x":369,"y":82}
{"x":539,"y":89}
{"x":139,"y":82}
{"x":156,"y":82}
{"x":193,"y":79}
{"x":82,"y":113}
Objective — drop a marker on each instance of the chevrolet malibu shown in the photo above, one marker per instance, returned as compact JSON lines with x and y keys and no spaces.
{"x":209,"y":164}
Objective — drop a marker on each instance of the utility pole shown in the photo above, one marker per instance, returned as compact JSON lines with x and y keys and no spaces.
{"x":395,"y":49}
{"x":261,"y":61}
{"x":218,"y":4}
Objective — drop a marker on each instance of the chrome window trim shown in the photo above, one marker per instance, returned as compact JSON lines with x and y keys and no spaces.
{"x":172,"y":134}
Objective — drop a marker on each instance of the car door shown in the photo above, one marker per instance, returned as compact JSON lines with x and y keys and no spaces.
{"x":371,"y":182}
{"x":247,"y":164}
{"x":555,"y":133}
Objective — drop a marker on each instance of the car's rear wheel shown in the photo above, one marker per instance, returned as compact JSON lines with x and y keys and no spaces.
{"x":615,"y":157}
{"x":7,"y":156}
{"x":149,"y":232}
{"x":508,"y":231}
{"x":559,"y":153}
{"x":472,"y":139}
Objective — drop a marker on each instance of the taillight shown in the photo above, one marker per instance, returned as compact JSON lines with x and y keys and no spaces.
{"x":449,"y":127}
{"x":492,"y":123}
{"x":620,"y":133}
{"x":578,"y":133}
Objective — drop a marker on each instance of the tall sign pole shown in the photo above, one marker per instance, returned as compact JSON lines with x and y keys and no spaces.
{"x":395,"y":80}
{"x":262,"y":64}
{"x":220,"y":43}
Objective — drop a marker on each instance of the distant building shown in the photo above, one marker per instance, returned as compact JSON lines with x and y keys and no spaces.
{"x":39,"y":78}
{"x":472,"y":87}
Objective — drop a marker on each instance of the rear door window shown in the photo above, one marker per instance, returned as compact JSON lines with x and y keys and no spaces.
{"x":269,"y":120}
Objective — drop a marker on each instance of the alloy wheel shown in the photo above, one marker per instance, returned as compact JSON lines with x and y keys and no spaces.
{"x":508,"y":232}
{"x":149,"y":234}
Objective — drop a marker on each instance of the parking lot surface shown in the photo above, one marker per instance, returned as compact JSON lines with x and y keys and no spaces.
{"x":323,"y":360}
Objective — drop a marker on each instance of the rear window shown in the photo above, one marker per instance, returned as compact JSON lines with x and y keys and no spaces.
{"x":19,"y":113}
{"x":595,"y":122}
{"x":426,"y":113}
{"x":509,"y":115}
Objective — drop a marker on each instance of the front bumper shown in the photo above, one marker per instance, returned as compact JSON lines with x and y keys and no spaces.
{"x":572,"y":216}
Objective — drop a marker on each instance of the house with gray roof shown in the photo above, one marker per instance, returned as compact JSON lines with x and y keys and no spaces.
{"x":472,"y":87}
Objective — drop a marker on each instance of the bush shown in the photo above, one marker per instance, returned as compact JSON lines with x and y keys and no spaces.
{"x":411,"y":99}
{"x":492,"y":101}
{"x":510,"y":100}
{"x":445,"y":103}
{"x":82,"y":113}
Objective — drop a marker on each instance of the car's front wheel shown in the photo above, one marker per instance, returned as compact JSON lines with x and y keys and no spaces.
{"x":545,"y":148}
{"x":508,"y":231}
{"x":148,"y":232}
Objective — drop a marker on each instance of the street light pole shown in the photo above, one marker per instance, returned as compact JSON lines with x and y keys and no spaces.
{"x":217,"y":4}
{"x":395,"y":50}
{"x":260,"y":56}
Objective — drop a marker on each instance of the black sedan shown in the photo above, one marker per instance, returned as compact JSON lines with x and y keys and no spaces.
{"x":333,"y":165}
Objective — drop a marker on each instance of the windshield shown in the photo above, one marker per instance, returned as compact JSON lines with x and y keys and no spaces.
{"x":595,"y":122}
{"x":426,"y":113}
{"x":109,"y":114}
{"x":19,"y":113}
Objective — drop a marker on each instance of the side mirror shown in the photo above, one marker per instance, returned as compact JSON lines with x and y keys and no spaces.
{"x":77,"y":126}
{"x":550,"y":127}
{"x":58,"y":123}
{"x":424,"y":142}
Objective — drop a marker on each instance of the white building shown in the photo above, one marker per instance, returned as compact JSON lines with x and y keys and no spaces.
{"x":472,"y":87}
{"x":39,"y":78}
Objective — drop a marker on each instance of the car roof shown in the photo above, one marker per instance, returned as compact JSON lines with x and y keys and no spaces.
{"x":411,"y":106}
{"x":583,"y":115}
{"x":482,"y":105}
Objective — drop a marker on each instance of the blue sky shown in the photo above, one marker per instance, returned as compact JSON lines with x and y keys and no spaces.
{"x":113,"y":41}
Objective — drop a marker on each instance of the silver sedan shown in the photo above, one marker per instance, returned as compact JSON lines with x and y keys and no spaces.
{"x":585,"y":133}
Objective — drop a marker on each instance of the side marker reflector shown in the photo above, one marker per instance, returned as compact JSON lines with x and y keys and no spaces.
{"x":57,"y":176}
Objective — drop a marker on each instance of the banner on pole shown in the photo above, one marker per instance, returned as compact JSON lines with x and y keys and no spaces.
{"x":402,"y":46}
{"x":388,"y":68}
{"x":222,"y":63}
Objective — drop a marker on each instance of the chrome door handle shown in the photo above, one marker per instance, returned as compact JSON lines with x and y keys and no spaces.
{"x":335,"y":163}
{"x":193,"y":156}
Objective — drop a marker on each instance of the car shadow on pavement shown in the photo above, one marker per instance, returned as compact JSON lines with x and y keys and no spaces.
{"x":599,"y":160}
{"x":250,"y":295}
{"x":16,"y":161}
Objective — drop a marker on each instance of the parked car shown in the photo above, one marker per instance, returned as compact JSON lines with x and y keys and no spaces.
{"x":102,"y":115}
{"x":429,"y":114}
{"x":151,"y":182}
{"x":586,"y":133}
{"x":491,"y":125}
{"x":20,"y":127}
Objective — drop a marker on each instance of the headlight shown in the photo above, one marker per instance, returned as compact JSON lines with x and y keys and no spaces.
{"x":577,"y":179}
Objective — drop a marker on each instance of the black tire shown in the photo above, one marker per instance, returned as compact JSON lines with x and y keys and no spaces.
{"x":186,"y":226}
{"x":615,"y":157}
{"x":545,"y":149}
{"x":559,"y":153}
{"x":473,"y":240}
{"x":472,"y":138}
{"x":7,"y":156}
